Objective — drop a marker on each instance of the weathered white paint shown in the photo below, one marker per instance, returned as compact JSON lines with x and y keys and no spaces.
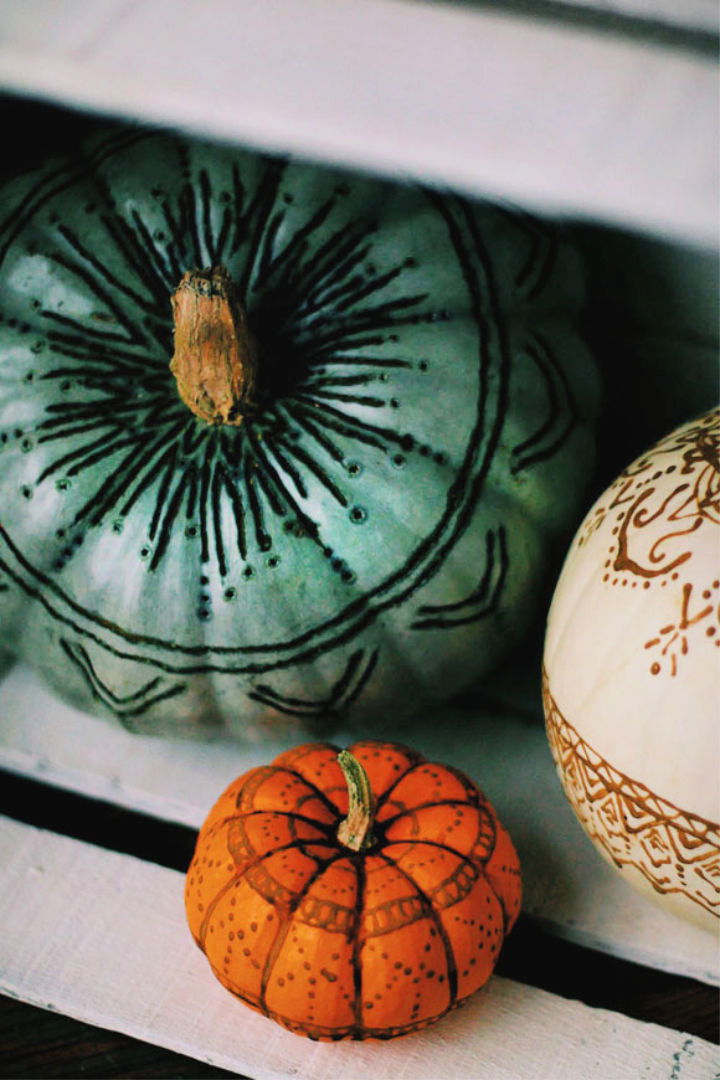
{"x":568,"y":887}
{"x":102,"y":937}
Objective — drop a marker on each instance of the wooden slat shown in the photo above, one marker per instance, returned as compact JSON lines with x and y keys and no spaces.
{"x":102,"y":937}
{"x":551,"y":114}
{"x":568,"y":887}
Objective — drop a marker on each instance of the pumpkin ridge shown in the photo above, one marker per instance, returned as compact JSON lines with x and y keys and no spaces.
{"x":532,"y":450}
{"x":259,"y":213}
{"x":152,"y":266}
{"x":484,"y":319}
{"x":100,"y":271}
{"x":294,"y":254}
{"x":317,"y":791}
{"x":474,"y":803}
{"x":285,"y":922}
{"x":357,"y":860}
{"x":254,"y":863}
{"x":432,"y":912}
{"x":382,"y":799}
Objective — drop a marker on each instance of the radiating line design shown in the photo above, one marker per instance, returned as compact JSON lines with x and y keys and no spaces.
{"x":148,"y":442}
{"x":352,"y":324}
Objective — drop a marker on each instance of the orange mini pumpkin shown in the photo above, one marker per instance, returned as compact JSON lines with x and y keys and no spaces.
{"x":355,"y":894}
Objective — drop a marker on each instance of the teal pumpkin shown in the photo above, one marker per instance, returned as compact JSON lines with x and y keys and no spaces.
{"x":372,"y":528}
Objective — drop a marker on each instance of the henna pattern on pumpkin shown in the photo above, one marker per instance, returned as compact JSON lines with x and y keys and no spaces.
{"x":125,"y":707}
{"x":672,"y":640}
{"x":561,"y":415}
{"x":695,"y":498}
{"x":340,"y":696}
{"x":349,"y":325}
{"x":484,"y":598}
{"x":648,"y":524}
{"x":676,"y":851}
{"x":390,"y":923}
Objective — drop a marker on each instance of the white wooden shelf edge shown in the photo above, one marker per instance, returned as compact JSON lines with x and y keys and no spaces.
{"x":102,"y":937}
{"x":555,"y":117}
{"x":567,"y":886}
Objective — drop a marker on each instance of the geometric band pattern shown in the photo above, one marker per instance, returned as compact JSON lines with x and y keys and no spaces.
{"x":676,"y":851}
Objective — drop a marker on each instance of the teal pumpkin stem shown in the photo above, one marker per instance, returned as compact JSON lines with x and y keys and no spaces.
{"x":214,"y":362}
{"x":355,"y":831}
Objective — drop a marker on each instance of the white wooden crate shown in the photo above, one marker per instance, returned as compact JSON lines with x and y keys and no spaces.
{"x":616,"y":120}
{"x":612,"y":117}
{"x":60,"y":938}
{"x":101,"y":936}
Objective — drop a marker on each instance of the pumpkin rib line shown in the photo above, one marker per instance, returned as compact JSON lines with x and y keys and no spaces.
{"x":132,"y":336}
{"x":382,"y":799}
{"x":434,"y":915}
{"x":332,"y":262}
{"x":259,"y":212}
{"x":238,"y":876}
{"x":341,"y":693}
{"x":292,"y":254}
{"x":285,"y":923}
{"x":532,"y":450}
{"x":309,"y":783}
{"x":74,"y":242}
{"x":442,"y":847}
{"x":144,"y":257}
{"x":480,"y":865}
{"x":471,"y":479}
{"x":475,"y":804}
{"x":484,"y":598}
{"x":290,"y":503}
{"x":356,"y":964}
{"x":317,"y":470}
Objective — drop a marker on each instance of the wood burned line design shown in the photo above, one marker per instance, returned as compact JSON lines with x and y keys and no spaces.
{"x":124,"y":707}
{"x":483,"y":601}
{"x":673,"y":641}
{"x":675,"y":851}
{"x":296,"y":828}
{"x":346,"y":689}
{"x":695,"y":498}
{"x":148,"y":439}
{"x":259,"y":475}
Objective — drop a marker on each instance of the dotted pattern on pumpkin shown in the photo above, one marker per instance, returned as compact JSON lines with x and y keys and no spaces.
{"x":336,"y":944}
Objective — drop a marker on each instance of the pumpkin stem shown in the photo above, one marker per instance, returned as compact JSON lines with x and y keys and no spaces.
{"x":214,"y":358}
{"x":355,"y":831}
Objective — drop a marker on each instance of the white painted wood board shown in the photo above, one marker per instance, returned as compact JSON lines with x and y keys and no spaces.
{"x":568,"y":887}
{"x":102,"y":937}
{"x":554,"y":116}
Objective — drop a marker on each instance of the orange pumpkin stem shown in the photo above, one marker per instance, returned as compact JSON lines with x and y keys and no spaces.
{"x":355,"y":831}
{"x":214,"y":358}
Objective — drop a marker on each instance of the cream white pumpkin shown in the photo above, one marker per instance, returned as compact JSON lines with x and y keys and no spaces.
{"x":631,"y":678}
